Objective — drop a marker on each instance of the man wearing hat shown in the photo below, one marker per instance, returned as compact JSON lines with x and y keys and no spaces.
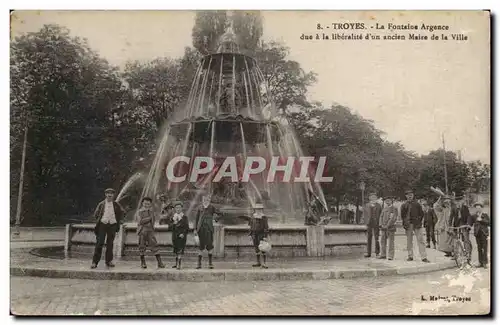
{"x":388,"y":219}
{"x":412,"y":215}
{"x":371,"y":212}
{"x":481,"y":221}
{"x":108,"y":215}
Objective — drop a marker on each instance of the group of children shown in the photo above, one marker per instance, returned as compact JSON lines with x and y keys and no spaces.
{"x":173,"y":216}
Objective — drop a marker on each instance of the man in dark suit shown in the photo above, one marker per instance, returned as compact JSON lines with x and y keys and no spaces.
{"x":108,"y":215}
{"x":412,"y":215}
{"x":371,"y":214}
{"x":481,"y":221}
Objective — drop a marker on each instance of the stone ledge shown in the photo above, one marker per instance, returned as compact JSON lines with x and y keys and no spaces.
{"x":226,"y":275}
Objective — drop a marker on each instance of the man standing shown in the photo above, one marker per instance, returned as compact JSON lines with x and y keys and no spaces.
{"x":412,"y":215}
{"x":464,"y":219}
{"x":481,"y":222}
{"x":109,"y":215}
{"x":371,"y":213}
{"x":430,"y":220}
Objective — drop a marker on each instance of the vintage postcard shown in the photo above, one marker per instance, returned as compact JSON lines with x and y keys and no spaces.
{"x":250,"y":163}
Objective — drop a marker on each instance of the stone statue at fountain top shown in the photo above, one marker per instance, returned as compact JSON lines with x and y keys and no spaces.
{"x":228,"y":42}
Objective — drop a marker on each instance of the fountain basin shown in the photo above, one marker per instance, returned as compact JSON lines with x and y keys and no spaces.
{"x":230,"y":241}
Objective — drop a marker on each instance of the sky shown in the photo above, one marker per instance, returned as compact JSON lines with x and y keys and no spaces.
{"x":414,"y":91}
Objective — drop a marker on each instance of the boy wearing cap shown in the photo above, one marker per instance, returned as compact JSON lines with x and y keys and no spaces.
{"x":430,"y":220}
{"x":204,"y":228}
{"x":180,"y":227}
{"x":412,"y":215}
{"x":371,"y":212}
{"x":481,"y":221}
{"x":145,"y":219}
{"x":388,"y":219}
{"x":259,"y":229}
{"x":108,"y":215}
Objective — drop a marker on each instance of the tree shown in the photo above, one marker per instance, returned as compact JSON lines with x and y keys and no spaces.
{"x":432,"y":173}
{"x":287,"y":81}
{"x":248,"y":30}
{"x":67,"y":96}
{"x":208,"y":27}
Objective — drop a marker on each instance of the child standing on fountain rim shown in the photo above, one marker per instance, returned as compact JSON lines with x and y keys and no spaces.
{"x":204,"y":228}
{"x":145,"y":231}
{"x":259,"y":230}
{"x":180,"y":227}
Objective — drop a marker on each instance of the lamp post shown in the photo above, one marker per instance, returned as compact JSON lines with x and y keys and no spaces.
{"x":362,"y":188}
{"x":21,"y":182}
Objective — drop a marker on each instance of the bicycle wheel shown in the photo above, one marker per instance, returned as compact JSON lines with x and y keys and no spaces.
{"x":460,"y":254}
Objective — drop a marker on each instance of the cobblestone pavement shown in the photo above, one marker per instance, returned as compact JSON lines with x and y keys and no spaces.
{"x":396,"y":295}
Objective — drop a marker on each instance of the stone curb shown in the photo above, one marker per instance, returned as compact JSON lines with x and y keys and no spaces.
{"x":226,"y":275}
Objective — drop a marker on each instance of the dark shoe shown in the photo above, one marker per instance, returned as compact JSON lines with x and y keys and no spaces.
{"x":93,"y":266}
{"x":447,"y":254}
{"x":143,"y":262}
{"x":199,"y":262}
{"x":382,"y":257}
{"x":110,"y":264}
{"x":409,"y":259}
{"x":368,"y":255}
{"x":176,"y":262}
{"x":210,"y":265}
{"x":160,"y":264}
{"x":264,"y":266}
{"x":425,"y":260}
{"x":479,"y":265}
{"x":390,"y":259}
{"x":428,"y":246}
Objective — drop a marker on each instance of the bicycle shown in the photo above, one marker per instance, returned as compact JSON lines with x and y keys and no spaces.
{"x":462,"y":249}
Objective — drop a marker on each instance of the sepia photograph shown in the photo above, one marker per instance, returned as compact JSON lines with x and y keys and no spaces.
{"x":250,"y":163}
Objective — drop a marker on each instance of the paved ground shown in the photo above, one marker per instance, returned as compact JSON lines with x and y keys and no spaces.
{"x":365,"y":296}
{"x":20,"y":257}
{"x":388,"y":295}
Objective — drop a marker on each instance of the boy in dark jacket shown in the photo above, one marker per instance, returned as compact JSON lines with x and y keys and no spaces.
{"x":430,"y":220}
{"x":259,"y":229}
{"x":180,"y":227}
{"x":146,"y":219}
{"x":481,"y":221}
{"x":204,"y":228}
{"x":371,"y":214}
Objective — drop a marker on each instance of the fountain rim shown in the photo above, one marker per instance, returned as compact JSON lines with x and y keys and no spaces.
{"x":210,"y":55}
{"x":221,"y":118}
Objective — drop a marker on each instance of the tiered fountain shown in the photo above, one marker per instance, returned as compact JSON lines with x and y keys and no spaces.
{"x":230,"y":113}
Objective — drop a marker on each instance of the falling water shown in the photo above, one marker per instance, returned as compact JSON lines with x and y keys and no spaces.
{"x":127,"y":185}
